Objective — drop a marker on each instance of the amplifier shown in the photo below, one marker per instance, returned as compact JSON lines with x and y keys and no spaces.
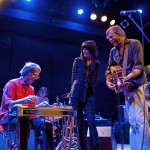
{"x":106,"y":138}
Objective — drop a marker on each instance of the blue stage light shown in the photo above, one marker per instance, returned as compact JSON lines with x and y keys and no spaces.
{"x":80,"y":11}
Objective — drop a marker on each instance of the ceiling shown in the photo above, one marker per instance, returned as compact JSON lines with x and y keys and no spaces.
{"x":36,"y":16}
{"x":60,"y":11}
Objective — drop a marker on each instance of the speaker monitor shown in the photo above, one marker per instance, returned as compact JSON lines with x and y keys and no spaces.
{"x":106,"y":137}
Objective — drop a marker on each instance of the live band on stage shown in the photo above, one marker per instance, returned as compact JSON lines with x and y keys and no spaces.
{"x":58,"y":115}
{"x":63,"y":119}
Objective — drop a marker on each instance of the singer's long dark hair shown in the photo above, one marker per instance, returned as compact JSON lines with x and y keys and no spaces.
{"x":91,"y":46}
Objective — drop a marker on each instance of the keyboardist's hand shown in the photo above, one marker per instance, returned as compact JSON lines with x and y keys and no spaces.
{"x":30,"y":98}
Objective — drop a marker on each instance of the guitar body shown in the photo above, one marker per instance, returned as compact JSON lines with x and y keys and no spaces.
{"x":122,"y":84}
{"x":118,"y":80}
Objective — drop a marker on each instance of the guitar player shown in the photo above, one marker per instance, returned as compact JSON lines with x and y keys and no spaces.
{"x":127,"y":53}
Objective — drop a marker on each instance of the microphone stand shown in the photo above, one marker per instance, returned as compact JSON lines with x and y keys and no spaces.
{"x":139,"y":28}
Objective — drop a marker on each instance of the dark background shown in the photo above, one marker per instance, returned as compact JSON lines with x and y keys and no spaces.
{"x":45,"y":33}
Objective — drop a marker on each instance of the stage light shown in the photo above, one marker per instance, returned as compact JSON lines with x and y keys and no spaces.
{"x":104,"y":18}
{"x":93,"y":16}
{"x":80,"y":11}
{"x":112,"y":22}
{"x":28,"y":0}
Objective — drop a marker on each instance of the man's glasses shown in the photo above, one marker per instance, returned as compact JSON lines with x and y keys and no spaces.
{"x":35,"y":76}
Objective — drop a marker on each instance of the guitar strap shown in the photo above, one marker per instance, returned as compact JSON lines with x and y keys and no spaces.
{"x":125,"y":60}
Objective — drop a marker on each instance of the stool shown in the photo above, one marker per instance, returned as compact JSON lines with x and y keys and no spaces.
{"x":70,"y":136}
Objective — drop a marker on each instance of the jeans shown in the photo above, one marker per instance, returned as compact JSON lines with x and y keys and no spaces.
{"x":138,"y":119}
{"x":36,"y":124}
{"x":88,"y":108}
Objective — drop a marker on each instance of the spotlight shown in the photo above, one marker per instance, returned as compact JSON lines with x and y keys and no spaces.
{"x":124,"y":23}
{"x":93,"y":16}
{"x":104,"y":18}
{"x":112,"y":22}
{"x":80,"y":11}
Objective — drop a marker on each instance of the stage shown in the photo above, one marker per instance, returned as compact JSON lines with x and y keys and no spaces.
{"x":126,"y":147}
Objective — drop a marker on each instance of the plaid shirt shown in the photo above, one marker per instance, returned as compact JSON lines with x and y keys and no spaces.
{"x":81,"y":79}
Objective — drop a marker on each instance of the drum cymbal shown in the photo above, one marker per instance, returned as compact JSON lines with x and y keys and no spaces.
{"x":66,"y":95}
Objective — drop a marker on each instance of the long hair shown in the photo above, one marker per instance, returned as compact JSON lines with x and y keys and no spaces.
{"x":91,"y":46}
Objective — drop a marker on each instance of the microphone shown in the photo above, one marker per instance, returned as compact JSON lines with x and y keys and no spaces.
{"x":127,"y":12}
